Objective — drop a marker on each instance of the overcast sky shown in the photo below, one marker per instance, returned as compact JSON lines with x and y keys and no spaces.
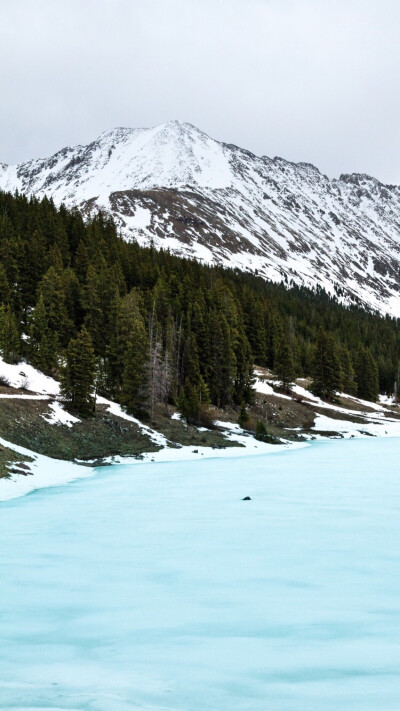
{"x":309,"y":80}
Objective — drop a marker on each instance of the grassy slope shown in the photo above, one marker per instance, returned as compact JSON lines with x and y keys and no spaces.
{"x":22,"y":422}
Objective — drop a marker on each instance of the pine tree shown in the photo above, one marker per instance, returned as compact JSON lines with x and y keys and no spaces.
{"x":171,"y":358}
{"x":51,"y":290}
{"x":243,"y":384}
{"x":349,"y":384}
{"x":200,"y":329}
{"x":123,"y":314}
{"x":255,"y":323}
{"x":388,"y":373}
{"x":54,"y":259}
{"x":190,"y":370}
{"x":9,"y":251}
{"x":327,"y":377}
{"x":273,"y":330}
{"x":5,"y":290}
{"x":243,"y":418}
{"x":135,"y":377}
{"x":81,"y":262}
{"x":43,"y":342}
{"x":9,"y":336}
{"x":73,"y":297}
{"x":79,"y":374}
{"x":367,"y":375}
{"x":223,"y":361}
{"x":158,"y":377}
{"x":261,"y":432}
{"x":91,"y":300}
{"x":189,"y":403}
{"x":284,"y":364}
{"x":33,"y":264}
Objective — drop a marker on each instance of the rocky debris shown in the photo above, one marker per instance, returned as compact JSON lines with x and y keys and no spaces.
{"x":19,"y":468}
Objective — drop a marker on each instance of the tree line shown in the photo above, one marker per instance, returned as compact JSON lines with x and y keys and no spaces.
{"x":146,"y":327}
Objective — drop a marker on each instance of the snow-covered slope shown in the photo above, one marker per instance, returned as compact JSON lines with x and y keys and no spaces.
{"x":216,"y":202}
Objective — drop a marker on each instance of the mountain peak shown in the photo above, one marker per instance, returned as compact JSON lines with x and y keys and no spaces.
{"x":174,"y":185}
{"x":173,"y":127}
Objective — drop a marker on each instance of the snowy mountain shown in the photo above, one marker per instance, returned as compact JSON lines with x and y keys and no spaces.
{"x":179,"y":188}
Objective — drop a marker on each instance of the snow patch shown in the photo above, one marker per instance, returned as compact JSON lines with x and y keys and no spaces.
{"x":59,"y":416}
{"x":23,"y":375}
{"x":142,"y":218}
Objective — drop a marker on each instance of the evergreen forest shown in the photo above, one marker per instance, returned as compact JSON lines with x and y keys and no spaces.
{"x":146,"y":327}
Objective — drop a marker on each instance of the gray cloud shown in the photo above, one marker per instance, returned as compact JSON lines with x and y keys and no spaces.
{"x":311,"y":80}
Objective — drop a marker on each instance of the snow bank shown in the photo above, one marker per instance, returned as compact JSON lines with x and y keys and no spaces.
{"x":365,"y":403}
{"x":264,"y":387}
{"x":386,"y":400}
{"x":378,"y":419}
{"x":44,"y":472}
{"x":233,"y":432}
{"x":23,"y":375}
{"x":302,"y":392}
{"x":374,"y":427}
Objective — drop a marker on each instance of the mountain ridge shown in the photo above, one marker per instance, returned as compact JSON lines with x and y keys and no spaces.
{"x":178,"y":188}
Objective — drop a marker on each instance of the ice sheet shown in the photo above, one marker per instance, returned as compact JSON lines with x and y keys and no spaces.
{"x":156,"y":587}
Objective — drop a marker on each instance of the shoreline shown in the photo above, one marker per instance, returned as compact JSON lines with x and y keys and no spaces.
{"x":293,"y":420}
{"x":48,"y":472}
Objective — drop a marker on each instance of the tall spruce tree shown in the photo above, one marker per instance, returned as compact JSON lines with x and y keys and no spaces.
{"x":284,"y":363}
{"x":194,"y":392}
{"x":5,"y":289}
{"x":327,"y":377}
{"x":43,"y":342}
{"x":79,"y":374}
{"x":123,"y":314}
{"x":223,"y":361}
{"x":135,"y":377}
{"x":243,"y":383}
{"x":367,"y":375}
{"x":51,"y":289}
{"x":94,"y":317}
{"x":9,"y":336}
{"x":349,"y":384}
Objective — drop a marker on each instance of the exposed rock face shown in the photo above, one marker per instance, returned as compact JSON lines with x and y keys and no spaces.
{"x":179,"y":188}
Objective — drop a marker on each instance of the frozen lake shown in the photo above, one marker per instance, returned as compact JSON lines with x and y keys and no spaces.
{"x":156,"y":587}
